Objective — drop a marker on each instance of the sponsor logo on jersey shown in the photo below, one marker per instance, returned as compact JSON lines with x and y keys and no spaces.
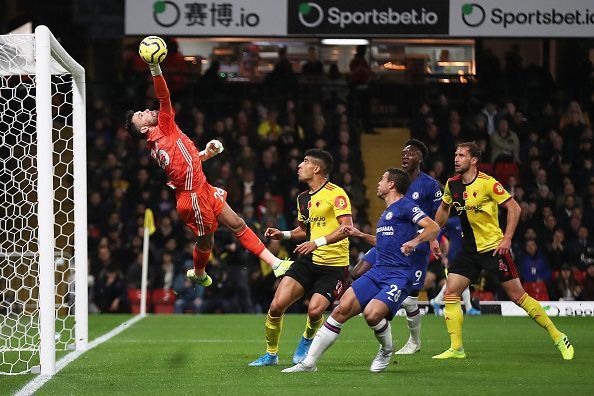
{"x":498,"y":189}
{"x":340,"y":202}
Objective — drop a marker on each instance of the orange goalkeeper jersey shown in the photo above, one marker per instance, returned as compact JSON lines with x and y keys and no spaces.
{"x":171,"y":148}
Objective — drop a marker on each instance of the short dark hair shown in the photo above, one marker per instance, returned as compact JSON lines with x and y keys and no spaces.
{"x":130,"y":127}
{"x":400,"y":178}
{"x":419,"y":145}
{"x":473,"y":148}
{"x":324,"y":157}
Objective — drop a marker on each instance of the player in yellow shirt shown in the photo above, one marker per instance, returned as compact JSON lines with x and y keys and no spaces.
{"x":322,"y":266}
{"x":476,"y":197}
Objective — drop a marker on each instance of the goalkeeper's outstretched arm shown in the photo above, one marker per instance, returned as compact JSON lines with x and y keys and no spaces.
{"x":161,"y":90}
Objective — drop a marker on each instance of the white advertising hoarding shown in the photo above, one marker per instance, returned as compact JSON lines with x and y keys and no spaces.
{"x":207,"y":18}
{"x":552,"y":308}
{"x":526,"y":18}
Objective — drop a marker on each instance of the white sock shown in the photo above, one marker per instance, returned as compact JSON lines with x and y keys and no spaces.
{"x":383,"y":333}
{"x":466,"y":299}
{"x":439,"y":298}
{"x":413,"y":318}
{"x":323,"y":340}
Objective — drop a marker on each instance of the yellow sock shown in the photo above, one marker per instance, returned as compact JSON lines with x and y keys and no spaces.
{"x":312,"y":327}
{"x":535,"y":311}
{"x":274,"y":326}
{"x":454,"y":318}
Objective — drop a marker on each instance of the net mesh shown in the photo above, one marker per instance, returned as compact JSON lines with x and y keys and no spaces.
{"x":19,"y":258}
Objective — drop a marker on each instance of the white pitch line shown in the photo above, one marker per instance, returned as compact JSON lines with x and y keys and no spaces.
{"x":34,"y":385}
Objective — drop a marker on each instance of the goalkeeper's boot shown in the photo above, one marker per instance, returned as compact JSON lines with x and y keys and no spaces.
{"x":301,"y":350}
{"x":565,"y":347}
{"x":282,"y":267}
{"x":300,"y":368}
{"x":410,"y":348}
{"x":265,"y":360}
{"x":203,"y":281}
{"x":451,"y":354}
{"x":473,"y":312}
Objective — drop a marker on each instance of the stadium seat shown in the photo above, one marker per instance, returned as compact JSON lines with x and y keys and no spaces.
{"x":579,"y":275}
{"x":134,"y":297}
{"x":504,"y":170}
{"x":486,"y":167}
{"x":483,"y":295}
{"x":163,"y":301}
{"x":537,"y":290}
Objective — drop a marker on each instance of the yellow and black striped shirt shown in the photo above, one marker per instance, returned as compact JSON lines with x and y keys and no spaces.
{"x":477,"y":204}
{"x":319,"y":211}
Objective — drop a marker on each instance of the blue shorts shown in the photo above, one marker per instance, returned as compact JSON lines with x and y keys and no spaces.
{"x":389,"y":285}
{"x":420,"y":259}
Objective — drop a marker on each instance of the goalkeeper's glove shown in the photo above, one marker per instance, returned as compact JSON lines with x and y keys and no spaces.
{"x":155,"y":69}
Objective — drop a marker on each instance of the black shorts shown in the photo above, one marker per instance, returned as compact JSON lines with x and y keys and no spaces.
{"x":470,"y":265}
{"x":436,"y":267}
{"x":328,"y":281}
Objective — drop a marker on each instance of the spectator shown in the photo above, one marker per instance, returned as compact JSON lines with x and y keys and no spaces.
{"x":556,"y":249}
{"x":313,"y":66}
{"x":505,"y":145}
{"x":581,"y":251}
{"x":533,"y":264}
{"x":566,"y":288}
{"x":111,"y":293}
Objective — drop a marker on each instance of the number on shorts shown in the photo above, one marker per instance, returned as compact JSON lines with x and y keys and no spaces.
{"x":418,"y":275}
{"x":394,"y":293}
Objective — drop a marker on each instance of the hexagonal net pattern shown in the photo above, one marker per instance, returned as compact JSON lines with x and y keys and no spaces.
{"x":19,"y":257}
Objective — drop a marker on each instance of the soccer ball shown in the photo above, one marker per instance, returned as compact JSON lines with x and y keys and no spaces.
{"x":152,"y":49}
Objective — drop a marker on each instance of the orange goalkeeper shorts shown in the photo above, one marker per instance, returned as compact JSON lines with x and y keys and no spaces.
{"x":199,"y":208}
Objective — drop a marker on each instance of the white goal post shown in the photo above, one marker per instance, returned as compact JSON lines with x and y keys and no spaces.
{"x":43,"y":209}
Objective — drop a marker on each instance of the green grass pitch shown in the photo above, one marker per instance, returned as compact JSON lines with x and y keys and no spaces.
{"x":208,"y":354}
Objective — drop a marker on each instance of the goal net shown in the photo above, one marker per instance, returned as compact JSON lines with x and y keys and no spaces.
{"x":43,"y":252}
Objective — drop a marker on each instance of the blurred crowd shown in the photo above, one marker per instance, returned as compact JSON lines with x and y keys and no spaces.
{"x":538,"y":146}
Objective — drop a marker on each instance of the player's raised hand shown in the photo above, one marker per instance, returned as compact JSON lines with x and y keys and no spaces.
{"x":408,"y":247}
{"x":273,"y":233}
{"x":305,"y":248}
{"x":215,"y":147}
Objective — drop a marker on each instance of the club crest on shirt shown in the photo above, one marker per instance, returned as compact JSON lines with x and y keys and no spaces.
{"x":340,"y":202}
{"x":389,"y":215}
{"x":465,"y":195}
{"x":415,"y":195}
{"x":163,"y":158}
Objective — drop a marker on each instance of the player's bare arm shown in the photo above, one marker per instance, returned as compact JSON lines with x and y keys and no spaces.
{"x":442,"y":214}
{"x":430,"y":230}
{"x":354,"y":232}
{"x":333,"y":237}
{"x":298,"y":233}
{"x":513,"y":216}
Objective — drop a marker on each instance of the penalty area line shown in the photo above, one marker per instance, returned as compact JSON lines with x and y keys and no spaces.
{"x":35,"y":384}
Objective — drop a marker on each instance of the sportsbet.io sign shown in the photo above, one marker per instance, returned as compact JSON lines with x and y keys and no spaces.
{"x":526,"y":18}
{"x":380,"y":17}
{"x":206,"y":18}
